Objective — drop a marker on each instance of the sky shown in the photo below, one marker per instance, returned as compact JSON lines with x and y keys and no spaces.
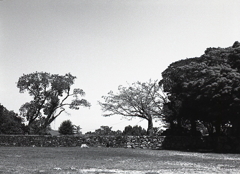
{"x":106,"y":43}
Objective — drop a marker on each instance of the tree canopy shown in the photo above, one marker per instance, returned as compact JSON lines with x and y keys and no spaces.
{"x":50,"y":94}
{"x":142,"y":100}
{"x":135,"y":130}
{"x":66,"y":128}
{"x":205,"y":89}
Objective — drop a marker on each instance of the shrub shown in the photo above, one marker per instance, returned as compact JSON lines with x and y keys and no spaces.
{"x":66,"y":128}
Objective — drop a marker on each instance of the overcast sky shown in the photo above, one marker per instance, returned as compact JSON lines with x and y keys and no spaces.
{"x":106,"y":43}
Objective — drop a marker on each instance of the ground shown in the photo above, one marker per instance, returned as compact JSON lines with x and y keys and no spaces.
{"x":73,"y":160}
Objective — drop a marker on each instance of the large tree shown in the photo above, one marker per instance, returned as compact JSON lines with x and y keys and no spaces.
{"x":142,"y":100}
{"x":205,"y":89}
{"x":50,"y":94}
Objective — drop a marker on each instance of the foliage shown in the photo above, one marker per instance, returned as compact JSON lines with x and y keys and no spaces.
{"x":135,"y":130}
{"x":104,"y":130}
{"x":50,"y":93}
{"x":76,"y":130}
{"x":10,"y":122}
{"x":66,"y":128}
{"x":142,"y":100}
{"x":36,"y":124}
{"x":204,"y":90}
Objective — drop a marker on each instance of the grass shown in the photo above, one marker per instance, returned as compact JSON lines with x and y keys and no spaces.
{"x":72,"y":160}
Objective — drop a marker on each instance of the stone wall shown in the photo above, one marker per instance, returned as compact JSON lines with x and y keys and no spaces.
{"x":144,"y":142}
{"x":186,"y":143}
{"x":61,"y":141}
{"x":215,"y":144}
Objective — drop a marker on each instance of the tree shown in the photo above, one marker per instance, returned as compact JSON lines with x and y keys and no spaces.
{"x":50,"y":93}
{"x":104,"y":130}
{"x":135,"y":130}
{"x":10,"y":122}
{"x":77,"y":130}
{"x":66,"y":128}
{"x":35,"y":127}
{"x":142,"y":100}
{"x":204,"y":90}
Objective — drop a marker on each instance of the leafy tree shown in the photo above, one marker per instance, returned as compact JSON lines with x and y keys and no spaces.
{"x":10,"y":122}
{"x":50,"y":93}
{"x":142,"y":100}
{"x":204,"y":90}
{"x":135,"y":130}
{"x":66,"y":128}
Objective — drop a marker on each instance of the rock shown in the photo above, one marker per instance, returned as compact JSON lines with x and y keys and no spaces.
{"x":57,"y":168}
{"x":84,"y":146}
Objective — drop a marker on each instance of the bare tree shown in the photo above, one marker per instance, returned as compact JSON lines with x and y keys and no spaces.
{"x":143,"y":100}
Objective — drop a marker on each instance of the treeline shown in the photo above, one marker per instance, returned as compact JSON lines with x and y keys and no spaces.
{"x":67,"y":128}
{"x":195,"y":96}
{"x":128,"y":131}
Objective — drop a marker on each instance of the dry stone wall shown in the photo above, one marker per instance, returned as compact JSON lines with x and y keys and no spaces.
{"x":216,"y":144}
{"x":61,"y":141}
{"x":144,"y":142}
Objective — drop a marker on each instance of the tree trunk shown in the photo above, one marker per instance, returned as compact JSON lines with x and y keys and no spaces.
{"x":150,"y":127}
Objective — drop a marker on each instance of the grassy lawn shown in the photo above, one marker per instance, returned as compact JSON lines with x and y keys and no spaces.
{"x":42,"y":160}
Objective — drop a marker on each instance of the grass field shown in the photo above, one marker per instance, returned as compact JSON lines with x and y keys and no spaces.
{"x":72,"y":160}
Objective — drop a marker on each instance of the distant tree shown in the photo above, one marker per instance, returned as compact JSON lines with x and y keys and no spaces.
{"x":127,"y":130}
{"x":76,"y":129}
{"x":66,"y":128}
{"x":104,"y":130}
{"x":10,"y":122}
{"x":89,"y":133}
{"x":135,"y":131}
{"x":50,"y":93}
{"x":142,"y":100}
{"x":118,"y":132}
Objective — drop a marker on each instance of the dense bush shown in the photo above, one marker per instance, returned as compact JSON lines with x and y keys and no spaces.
{"x":10,"y":122}
{"x":66,"y":128}
{"x":103,"y":131}
{"x":135,"y":130}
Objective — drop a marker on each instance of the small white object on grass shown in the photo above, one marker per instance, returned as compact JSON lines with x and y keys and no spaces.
{"x":57,"y":168}
{"x":84,"y":146}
